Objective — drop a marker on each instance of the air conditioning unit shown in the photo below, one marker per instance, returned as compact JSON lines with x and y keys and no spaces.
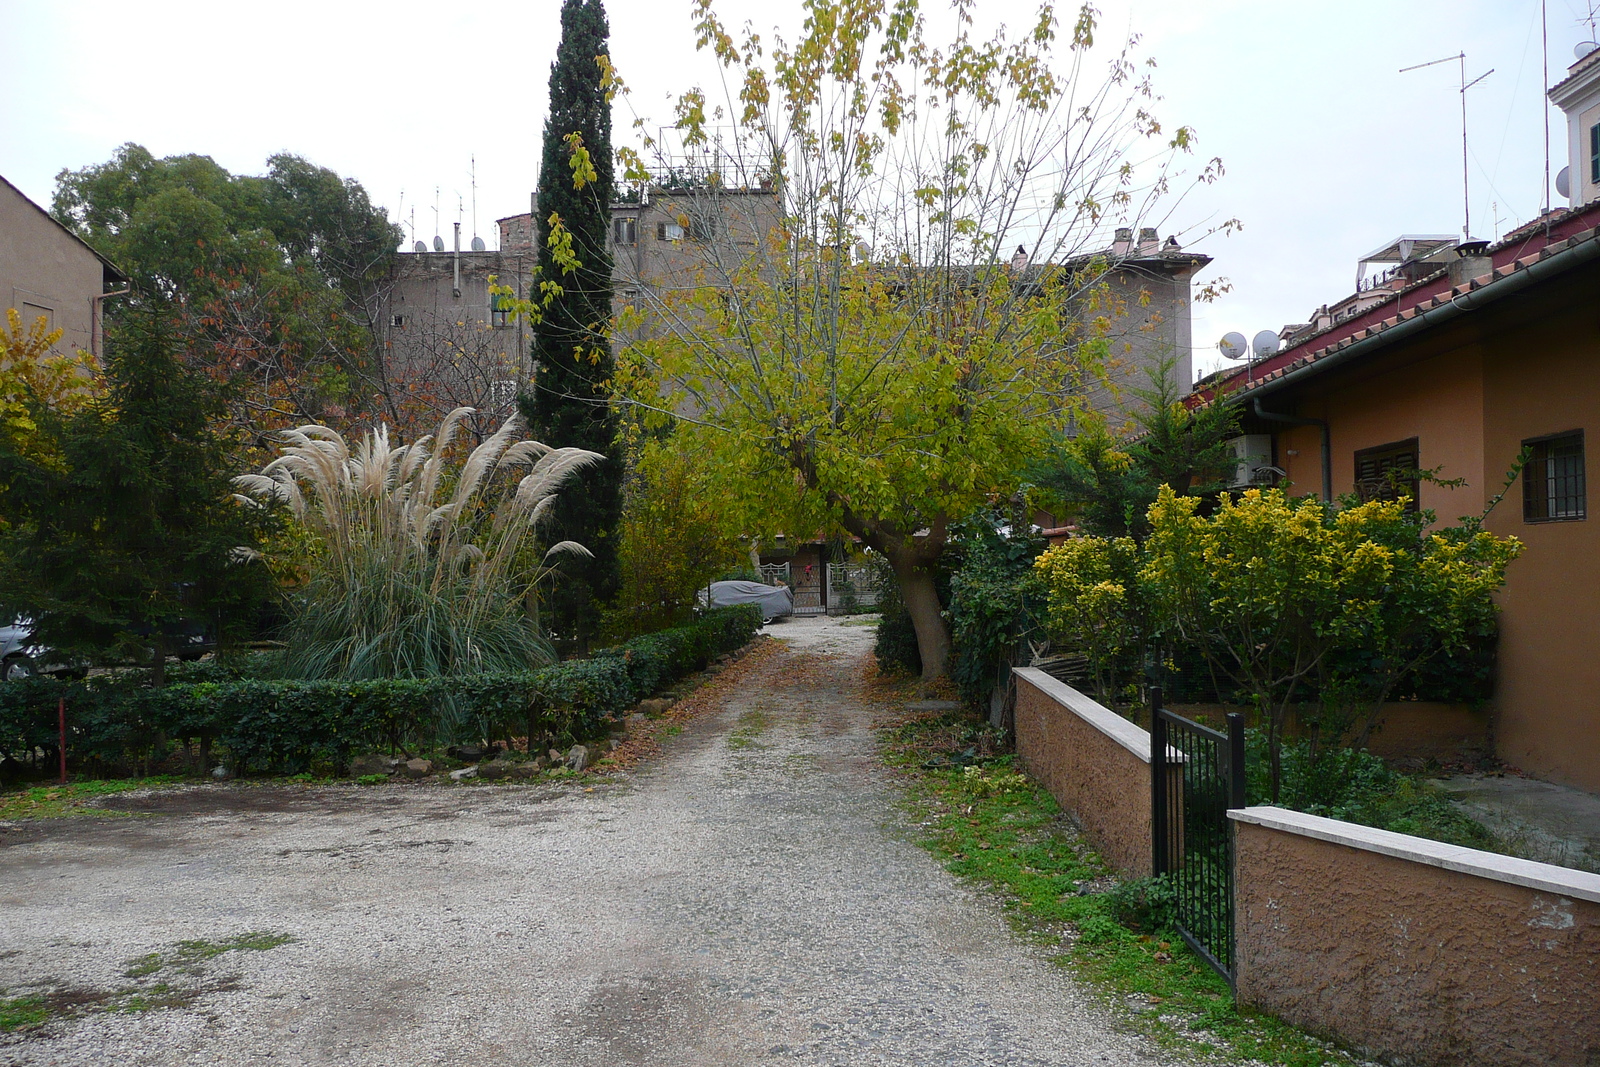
{"x":1252,"y":460}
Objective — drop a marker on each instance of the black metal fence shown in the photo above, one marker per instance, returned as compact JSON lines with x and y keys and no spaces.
{"x":1196,"y":775}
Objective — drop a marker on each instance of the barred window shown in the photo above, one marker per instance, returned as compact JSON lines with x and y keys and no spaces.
{"x":1388,"y":472}
{"x":1553,"y":481}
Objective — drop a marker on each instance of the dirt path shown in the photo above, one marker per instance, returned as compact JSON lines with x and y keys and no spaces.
{"x":745,"y":898}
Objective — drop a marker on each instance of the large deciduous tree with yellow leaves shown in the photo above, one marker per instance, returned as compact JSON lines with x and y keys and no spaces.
{"x":869,"y":350}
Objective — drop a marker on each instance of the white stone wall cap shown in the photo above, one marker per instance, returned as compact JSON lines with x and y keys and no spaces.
{"x":1094,"y":713}
{"x":1545,"y":877}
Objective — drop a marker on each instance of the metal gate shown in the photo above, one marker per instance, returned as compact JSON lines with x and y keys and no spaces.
{"x":1196,"y":775}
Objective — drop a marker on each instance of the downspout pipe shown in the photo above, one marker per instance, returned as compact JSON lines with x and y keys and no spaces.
{"x":97,"y":313}
{"x":1327,"y":446}
{"x":456,"y":288}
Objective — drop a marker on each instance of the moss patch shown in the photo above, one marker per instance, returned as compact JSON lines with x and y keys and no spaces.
{"x":751,"y":725}
{"x":189,"y":955}
{"x":74,"y":798}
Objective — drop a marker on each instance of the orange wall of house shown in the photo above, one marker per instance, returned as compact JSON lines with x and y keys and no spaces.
{"x":1439,"y":401}
{"x":1471,"y":408}
{"x":1548,"y":698}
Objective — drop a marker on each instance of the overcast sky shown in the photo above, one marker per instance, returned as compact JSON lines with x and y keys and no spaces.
{"x":1330,"y":152}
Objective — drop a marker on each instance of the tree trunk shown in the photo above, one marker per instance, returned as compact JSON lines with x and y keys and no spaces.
{"x":158,"y":662}
{"x":921,"y":598}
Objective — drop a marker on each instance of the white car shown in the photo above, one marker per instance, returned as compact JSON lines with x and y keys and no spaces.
{"x":17,"y":655}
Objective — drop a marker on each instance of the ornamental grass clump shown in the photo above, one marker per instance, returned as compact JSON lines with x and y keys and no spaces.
{"x":416,"y":567}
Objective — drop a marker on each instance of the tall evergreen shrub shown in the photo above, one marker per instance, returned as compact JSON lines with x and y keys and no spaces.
{"x":567,"y":404}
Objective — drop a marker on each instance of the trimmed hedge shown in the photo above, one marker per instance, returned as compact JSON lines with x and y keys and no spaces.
{"x":286,"y":725}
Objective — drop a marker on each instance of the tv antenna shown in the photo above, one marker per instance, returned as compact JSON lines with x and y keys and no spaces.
{"x":1466,"y":199}
{"x":472,"y":170}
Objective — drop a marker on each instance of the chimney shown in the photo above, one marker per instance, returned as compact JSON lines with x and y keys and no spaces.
{"x":1149,"y":241}
{"x":1470,"y":262}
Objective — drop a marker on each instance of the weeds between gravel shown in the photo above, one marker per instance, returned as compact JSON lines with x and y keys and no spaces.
{"x":33,"y":1010}
{"x":999,"y":829}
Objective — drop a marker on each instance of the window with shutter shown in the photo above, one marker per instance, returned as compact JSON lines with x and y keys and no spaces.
{"x":1388,"y":472}
{"x":1553,"y":486}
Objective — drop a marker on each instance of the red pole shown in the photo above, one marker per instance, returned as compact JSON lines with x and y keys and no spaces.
{"x":61,"y":722}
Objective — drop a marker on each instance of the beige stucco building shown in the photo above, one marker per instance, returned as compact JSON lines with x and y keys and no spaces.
{"x":446,"y":340}
{"x":47,"y":272}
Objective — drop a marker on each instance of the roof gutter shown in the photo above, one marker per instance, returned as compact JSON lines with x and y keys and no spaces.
{"x":1518,"y":280}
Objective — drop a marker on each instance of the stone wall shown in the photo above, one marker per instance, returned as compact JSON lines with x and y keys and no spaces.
{"x":1415,"y":950}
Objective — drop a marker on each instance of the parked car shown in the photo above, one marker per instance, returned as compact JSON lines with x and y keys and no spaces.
{"x":775,"y":601}
{"x":20,"y":657}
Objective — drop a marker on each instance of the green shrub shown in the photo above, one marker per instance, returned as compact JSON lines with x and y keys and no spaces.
{"x":1146,"y":904}
{"x":286,"y":725}
{"x":996,"y":602}
{"x":1353,"y":785}
{"x":895,"y":644}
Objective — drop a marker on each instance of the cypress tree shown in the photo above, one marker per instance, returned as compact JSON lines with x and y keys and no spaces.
{"x":567,"y":404}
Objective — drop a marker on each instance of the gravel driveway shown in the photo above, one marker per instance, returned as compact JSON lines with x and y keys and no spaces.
{"x":747,"y":897}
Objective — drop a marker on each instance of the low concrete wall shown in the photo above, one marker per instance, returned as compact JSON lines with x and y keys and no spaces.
{"x":1429,"y":953}
{"x":1094,"y":762}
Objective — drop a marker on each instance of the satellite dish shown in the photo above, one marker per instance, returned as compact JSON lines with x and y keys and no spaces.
{"x":478,"y":245}
{"x":438,"y":243}
{"x":1584,"y":48}
{"x":420,"y":247}
{"x":1564,"y":182}
{"x":1264,"y":344}
{"x":1232,"y":345}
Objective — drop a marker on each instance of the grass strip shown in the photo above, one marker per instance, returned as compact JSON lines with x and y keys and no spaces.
{"x":1000,"y":830}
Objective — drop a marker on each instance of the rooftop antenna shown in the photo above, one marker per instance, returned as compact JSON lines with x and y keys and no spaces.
{"x":473,"y":171}
{"x":1466,"y":200}
{"x":1544,"y":86}
{"x":1583,"y":49}
{"x":438,"y":242}
{"x":400,"y":212}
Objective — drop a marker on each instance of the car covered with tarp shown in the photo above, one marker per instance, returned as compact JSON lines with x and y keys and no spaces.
{"x":775,"y":601}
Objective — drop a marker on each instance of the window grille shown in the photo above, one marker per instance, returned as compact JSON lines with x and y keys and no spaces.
{"x":1388,"y":473}
{"x":1553,"y":481}
{"x":625,"y":231}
